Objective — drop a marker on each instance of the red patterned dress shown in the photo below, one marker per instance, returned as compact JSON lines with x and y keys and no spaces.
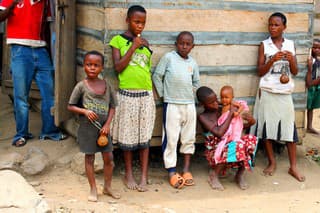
{"x":235,"y":153}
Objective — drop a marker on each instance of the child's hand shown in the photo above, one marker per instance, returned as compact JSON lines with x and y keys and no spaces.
{"x":105,"y":129}
{"x":138,"y":42}
{"x":92,"y":116}
{"x":278,"y":56}
{"x":236,"y":104}
{"x":233,"y":109}
{"x":288,"y":55}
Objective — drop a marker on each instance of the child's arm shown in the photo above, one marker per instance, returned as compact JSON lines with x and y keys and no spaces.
{"x":309,"y":81}
{"x":106,"y":127}
{"x":239,"y":108}
{"x":212,"y":125}
{"x":120,"y":63}
{"x":82,"y":111}
{"x":159,"y":73}
{"x":292,"y":61}
{"x":249,"y":120}
{"x":309,"y":73}
{"x":196,"y":78}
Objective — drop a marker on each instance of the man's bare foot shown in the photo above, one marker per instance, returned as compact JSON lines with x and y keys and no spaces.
{"x":269,"y":170}
{"x":111,"y":193}
{"x":239,"y":178}
{"x":130,"y":183}
{"x":294,"y":173}
{"x":214,"y":182}
{"x":313,"y":131}
{"x":93,"y":197}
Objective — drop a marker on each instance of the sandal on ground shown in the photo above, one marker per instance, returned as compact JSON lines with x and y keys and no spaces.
{"x":19,"y":143}
{"x":177,"y":181}
{"x":187,"y":176}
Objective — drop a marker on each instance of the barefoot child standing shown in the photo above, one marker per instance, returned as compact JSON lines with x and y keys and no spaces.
{"x":135,"y":114}
{"x":274,"y":109}
{"x":176,"y":78}
{"x":313,"y":84}
{"x":94,"y":100}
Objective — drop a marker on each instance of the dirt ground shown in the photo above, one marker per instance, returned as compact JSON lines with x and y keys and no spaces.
{"x":67,"y":192}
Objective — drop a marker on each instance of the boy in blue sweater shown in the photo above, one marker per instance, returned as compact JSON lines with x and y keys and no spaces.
{"x":176,"y":79}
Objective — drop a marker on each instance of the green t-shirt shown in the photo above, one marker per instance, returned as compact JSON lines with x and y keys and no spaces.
{"x":137,"y":74}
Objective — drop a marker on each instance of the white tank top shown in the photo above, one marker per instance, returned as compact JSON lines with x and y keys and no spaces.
{"x":271,"y":80}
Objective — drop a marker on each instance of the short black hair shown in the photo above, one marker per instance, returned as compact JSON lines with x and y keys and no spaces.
{"x":135,"y":8}
{"x":203,"y":93}
{"x":316,"y":40}
{"x":280,"y":15}
{"x":95,"y":52}
{"x":185,"y":33}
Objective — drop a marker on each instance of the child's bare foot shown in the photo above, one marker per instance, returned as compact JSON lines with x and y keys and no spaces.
{"x":270,"y":169}
{"x":142,"y":187}
{"x":313,"y":131}
{"x":294,"y":173}
{"x":130,"y":183}
{"x":93,"y":197}
{"x":111,"y":193}
{"x":214,"y":182}
{"x":239,"y":178}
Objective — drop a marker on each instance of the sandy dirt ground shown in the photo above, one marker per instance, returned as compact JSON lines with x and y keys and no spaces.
{"x":66,"y":191}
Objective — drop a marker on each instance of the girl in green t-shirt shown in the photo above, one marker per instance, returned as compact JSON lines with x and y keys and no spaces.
{"x":135,"y":113}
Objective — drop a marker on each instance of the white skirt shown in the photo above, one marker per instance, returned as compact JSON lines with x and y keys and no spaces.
{"x":275,"y":117}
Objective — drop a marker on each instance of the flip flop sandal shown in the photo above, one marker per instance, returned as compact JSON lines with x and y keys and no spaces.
{"x":187,"y":176}
{"x":177,"y":181}
{"x":19,"y":143}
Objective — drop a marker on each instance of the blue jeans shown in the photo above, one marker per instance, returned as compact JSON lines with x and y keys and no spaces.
{"x":29,"y":63}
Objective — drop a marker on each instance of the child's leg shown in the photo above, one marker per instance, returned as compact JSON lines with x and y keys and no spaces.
{"x":309,"y":122}
{"x":186,"y":167}
{"x":144,"y":160}
{"x":186,"y":171}
{"x":170,"y":136}
{"x":188,"y":138}
{"x":213,"y":179}
{"x":108,"y":166}
{"x":240,"y":178}
{"x":129,"y":179}
{"x":292,"y":152}
{"x":270,"y":169}
{"x":89,"y":161}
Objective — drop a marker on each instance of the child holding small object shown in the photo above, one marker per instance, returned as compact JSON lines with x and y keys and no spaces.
{"x":235,"y":153}
{"x":135,"y":114}
{"x":94,"y":100}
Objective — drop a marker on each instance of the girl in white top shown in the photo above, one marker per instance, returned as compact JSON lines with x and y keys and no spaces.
{"x":274,"y":109}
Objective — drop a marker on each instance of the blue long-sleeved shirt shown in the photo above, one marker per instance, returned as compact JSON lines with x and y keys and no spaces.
{"x":176,"y":78}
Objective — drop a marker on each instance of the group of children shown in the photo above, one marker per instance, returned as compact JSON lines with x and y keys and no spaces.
{"x":177,"y":80}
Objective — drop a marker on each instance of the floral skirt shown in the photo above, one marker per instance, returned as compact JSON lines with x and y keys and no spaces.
{"x":235,"y":153}
{"x":134,"y":119}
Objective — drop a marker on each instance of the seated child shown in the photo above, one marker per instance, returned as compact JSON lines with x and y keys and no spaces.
{"x":234,"y":132}
{"x":237,"y":153}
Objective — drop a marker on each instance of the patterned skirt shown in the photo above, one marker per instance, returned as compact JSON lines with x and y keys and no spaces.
{"x":235,"y":153}
{"x":134,"y":119}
